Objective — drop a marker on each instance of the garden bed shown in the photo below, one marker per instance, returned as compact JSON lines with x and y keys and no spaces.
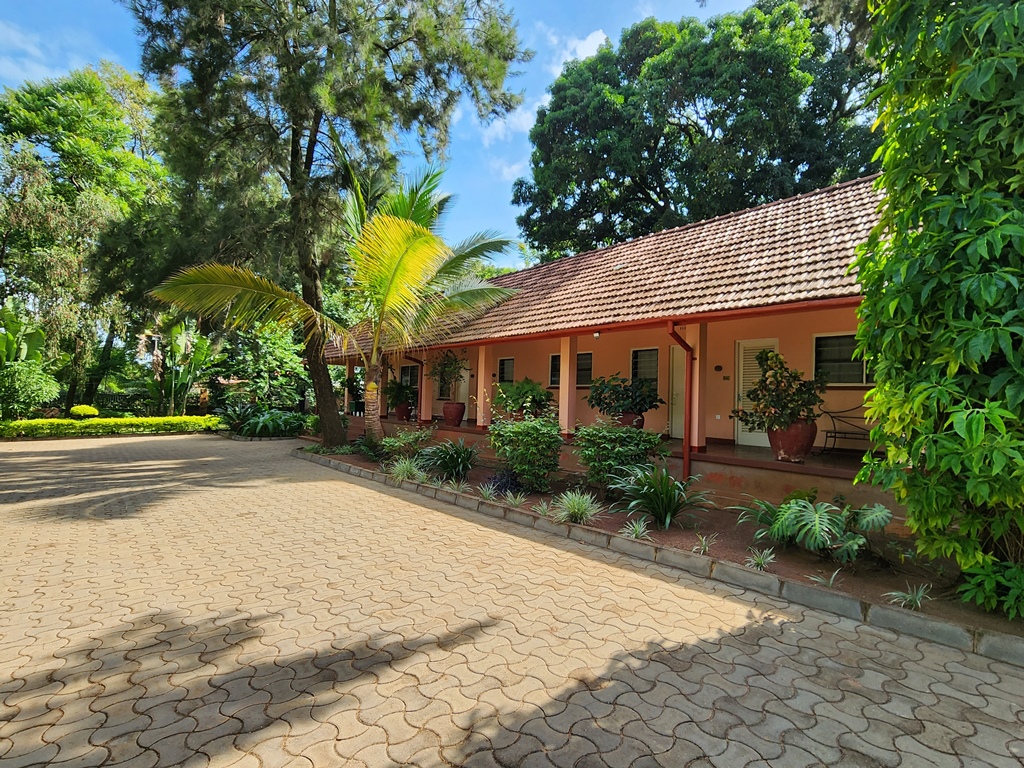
{"x":866,"y":581}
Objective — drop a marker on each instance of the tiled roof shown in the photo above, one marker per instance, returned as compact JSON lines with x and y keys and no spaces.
{"x":787,"y":251}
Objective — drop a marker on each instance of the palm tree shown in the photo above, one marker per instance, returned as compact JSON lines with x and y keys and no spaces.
{"x":409,"y":284}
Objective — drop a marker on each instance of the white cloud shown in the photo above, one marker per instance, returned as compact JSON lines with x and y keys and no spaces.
{"x":507,"y":171}
{"x":520,"y":120}
{"x":28,"y":56}
{"x":574,"y":48}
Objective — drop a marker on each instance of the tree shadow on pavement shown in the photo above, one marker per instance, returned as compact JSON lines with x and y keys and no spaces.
{"x":119,"y":477}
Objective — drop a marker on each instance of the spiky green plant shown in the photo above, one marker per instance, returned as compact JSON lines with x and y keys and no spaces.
{"x":459,"y":486}
{"x":575,"y":507}
{"x":515,"y":499}
{"x":913,"y":598}
{"x":760,"y":559}
{"x":636,"y":529}
{"x":405,"y":468}
{"x":652,"y":491}
{"x":542,"y":508}
{"x":487,"y":491}
{"x":704,"y":543}
{"x":830,"y":581}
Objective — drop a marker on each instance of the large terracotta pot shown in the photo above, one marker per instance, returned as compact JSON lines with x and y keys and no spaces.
{"x":794,"y":442}
{"x":453,"y":413}
{"x":632,"y":420}
{"x":403,"y":411}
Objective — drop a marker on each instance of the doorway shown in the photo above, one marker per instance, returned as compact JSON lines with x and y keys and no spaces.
{"x":747,"y":374}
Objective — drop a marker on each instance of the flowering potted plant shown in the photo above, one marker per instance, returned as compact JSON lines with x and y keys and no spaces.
{"x":783,"y":403}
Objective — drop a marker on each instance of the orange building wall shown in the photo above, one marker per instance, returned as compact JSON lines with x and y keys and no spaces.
{"x":795,"y":334}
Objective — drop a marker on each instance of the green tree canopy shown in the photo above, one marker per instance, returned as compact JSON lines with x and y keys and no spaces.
{"x":299,"y":92}
{"x":74,"y":161}
{"x":942,"y":323}
{"x":685,"y":121}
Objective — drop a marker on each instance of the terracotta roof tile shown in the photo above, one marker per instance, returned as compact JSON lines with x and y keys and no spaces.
{"x":792,"y":250}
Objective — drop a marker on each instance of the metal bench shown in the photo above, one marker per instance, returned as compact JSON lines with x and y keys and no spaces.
{"x":845,"y":425}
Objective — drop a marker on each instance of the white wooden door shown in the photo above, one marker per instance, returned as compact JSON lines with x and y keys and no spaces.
{"x":747,"y":374}
{"x":677,"y":392}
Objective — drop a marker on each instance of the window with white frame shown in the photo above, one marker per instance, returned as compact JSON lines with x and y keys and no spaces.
{"x":834,"y":355}
{"x":645,"y":365}
{"x":506,"y":370}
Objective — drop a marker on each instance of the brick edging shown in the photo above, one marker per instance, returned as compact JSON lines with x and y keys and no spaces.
{"x":992,"y":645}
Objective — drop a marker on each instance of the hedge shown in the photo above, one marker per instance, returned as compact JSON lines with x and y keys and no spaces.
{"x":132,"y":426}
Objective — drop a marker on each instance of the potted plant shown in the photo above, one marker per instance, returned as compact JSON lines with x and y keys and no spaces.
{"x":783,"y":403}
{"x":448,"y":369}
{"x":624,"y":399}
{"x":522,"y":397}
{"x":399,"y":397}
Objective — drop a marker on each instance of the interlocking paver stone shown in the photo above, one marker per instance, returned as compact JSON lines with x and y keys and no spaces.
{"x":193,"y":601}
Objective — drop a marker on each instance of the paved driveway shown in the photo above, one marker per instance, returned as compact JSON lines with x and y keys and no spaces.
{"x":194,"y":601}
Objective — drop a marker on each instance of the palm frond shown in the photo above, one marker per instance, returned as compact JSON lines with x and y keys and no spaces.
{"x":417,"y":201}
{"x":469,"y":252}
{"x":244,"y":299}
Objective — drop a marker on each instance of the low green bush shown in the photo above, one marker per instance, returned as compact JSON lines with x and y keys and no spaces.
{"x":273,"y":423}
{"x":450,"y":460}
{"x":603,"y":448}
{"x":132,"y":426}
{"x":652,"y":492}
{"x":819,"y":527}
{"x":406,"y":443}
{"x":994,"y":586}
{"x":531,"y":448}
{"x":84,"y":412}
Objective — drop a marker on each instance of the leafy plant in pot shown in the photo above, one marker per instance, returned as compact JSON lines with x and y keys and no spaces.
{"x":400,"y":397}
{"x":783,"y":403}
{"x":624,"y":399}
{"x":525,"y":397}
{"x":448,"y":369}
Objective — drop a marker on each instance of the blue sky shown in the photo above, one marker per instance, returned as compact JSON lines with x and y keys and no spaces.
{"x":47,"y":38}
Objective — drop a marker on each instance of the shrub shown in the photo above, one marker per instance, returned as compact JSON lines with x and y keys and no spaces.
{"x":505,"y":481}
{"x":405,"y":443}
{"x":822,"y":527}
{"x":273,"y":423}
{"x":995,"y":585}
{"x":602,"y":448}
{"x":450,"y":460}
{"x":313,"y":424}
{"x":369,"y":447}
{"x":84,"y":412}
{"x":531,"y":448}
{"x":406,"y":468}
{"x":236,"y":414}
{"x":781,"y":395}
{"x":653,"y":492}
{"x":525,"y":396}
{"x":133,"y":426}
{"x":941,"y":317}
{"x":24,"y":386}
{"x":575,"y":507}
{"x":614,"y":396}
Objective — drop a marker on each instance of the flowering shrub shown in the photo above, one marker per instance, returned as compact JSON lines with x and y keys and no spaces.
{"x":781,"y":396}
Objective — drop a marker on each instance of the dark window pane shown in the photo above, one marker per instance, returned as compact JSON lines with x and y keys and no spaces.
{"x":506,"y":370}
{"x":645,"y":364}
{"x":584,"y":369}
{"x":834,"y":356}
{"x":556,"y":370}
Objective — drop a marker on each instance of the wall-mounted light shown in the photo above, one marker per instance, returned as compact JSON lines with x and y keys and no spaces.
{"x":597,"y":334}
{"x":718,"y":368}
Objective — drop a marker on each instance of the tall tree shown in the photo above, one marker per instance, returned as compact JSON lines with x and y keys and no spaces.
{"x":73,"y":161}
{"x":409,"y":285}
{"x":299,"y":88}
{"x":942,"y":322}
{"x":685,"y":121}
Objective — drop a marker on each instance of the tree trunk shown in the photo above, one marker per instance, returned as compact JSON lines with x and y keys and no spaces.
{"x":74,"y":375}
{"x":374,"y":429}
{"x":100,"y":369}
{"x":331,"y":430}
